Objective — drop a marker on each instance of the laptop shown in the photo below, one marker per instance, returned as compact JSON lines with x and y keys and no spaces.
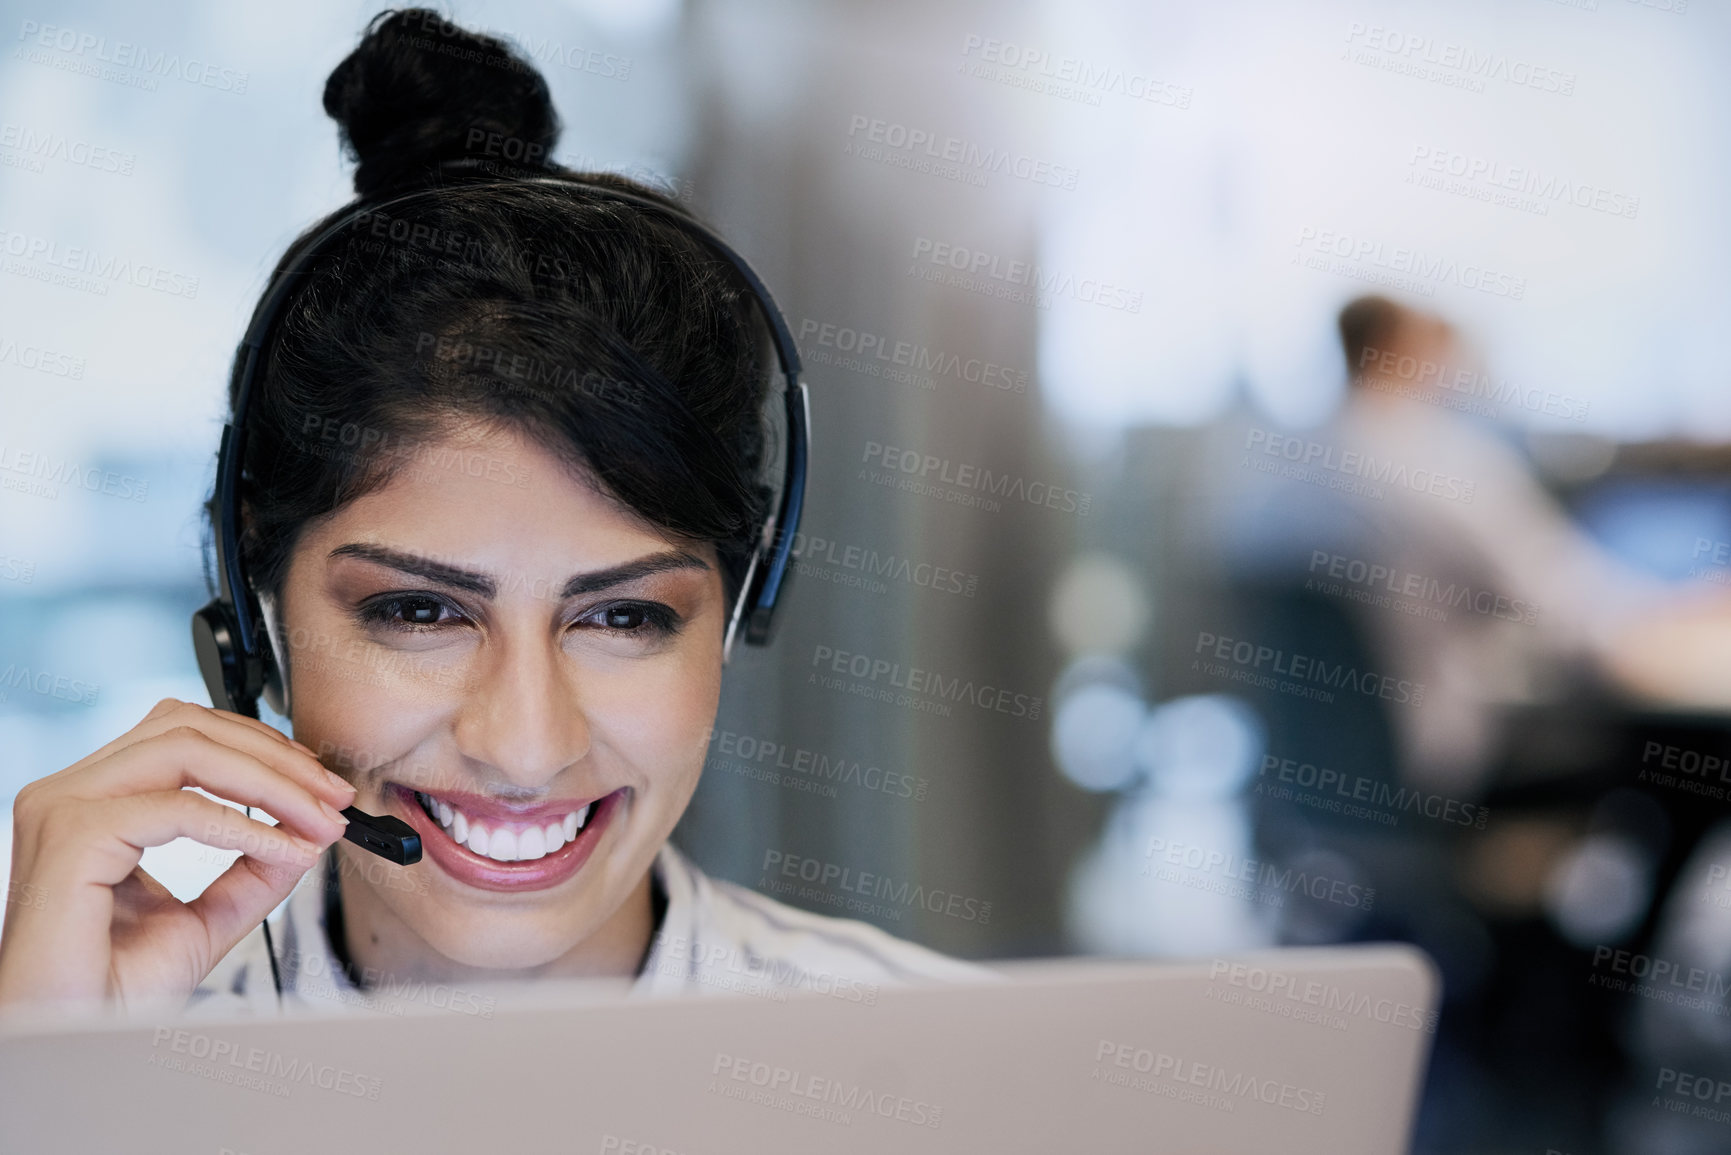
{"x":1314,"y":1050}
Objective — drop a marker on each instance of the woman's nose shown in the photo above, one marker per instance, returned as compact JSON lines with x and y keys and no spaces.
{"x":522,"y":711}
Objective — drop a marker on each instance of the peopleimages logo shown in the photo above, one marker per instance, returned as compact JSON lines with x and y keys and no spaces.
{"x":1717,"y":553}
{"x":87,"y":269}
{"x":1309,"y":992}
{"x":703,"y":961}
{"x":1685,"y":770}
{"x":39,"y":145}
{"x":1069,"y":77}
{"x":1448,"y":62}
{"x":543,"y":50}
{"x":17,"y":569}
{"x":1228,"y":1087}
{"x":1349,"y":789}
{"x":1424,"y":375}
{"x":802,"y":1093}
{"x":927,"y":472}
{"x":1352,"y":463}
{"x":314,"y":974}
{"x":927,"y":684}
{"x":1684,"y":1086}
{"x":1248,"y":660}
{"x":1366,"y":582}
{"x":862,"y":565}
{"x":1496,"y":178}
{"x":867,"y":350}
{"x":1267,"y":882}
{"x":227,"y":1062}
{"x":348,"y":441}
{"x":1024,"y":281}
{"x":41,"y":360}
{"x":834,"y":882}
{"x":761,"y":754}
{"x":923,"y":149}
{"x":50,"y":474}
{"x":1363,"y":258}
{"x":82,"y":47}
{"x":1654,"y":976}
{"x":26,"y":894}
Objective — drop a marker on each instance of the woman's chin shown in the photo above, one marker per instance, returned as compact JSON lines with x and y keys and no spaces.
{"x":512,"y":936}
{"x":509,"y":948}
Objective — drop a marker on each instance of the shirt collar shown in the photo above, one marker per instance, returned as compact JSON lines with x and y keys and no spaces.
{"x":312,"y":977}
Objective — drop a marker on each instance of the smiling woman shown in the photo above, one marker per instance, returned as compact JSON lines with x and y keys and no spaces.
{"x":540,"y":666}
{"x":498,"y":483}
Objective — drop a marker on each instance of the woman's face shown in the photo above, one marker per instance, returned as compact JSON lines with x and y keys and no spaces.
{"x":491,"y":638}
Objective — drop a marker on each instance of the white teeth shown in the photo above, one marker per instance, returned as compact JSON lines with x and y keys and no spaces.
{"x":506,"y":844}
{"x":576,"y":822}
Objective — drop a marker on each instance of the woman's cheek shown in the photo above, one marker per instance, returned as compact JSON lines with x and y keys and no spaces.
{"x":353,"y":728}
{"x":663,"y":721}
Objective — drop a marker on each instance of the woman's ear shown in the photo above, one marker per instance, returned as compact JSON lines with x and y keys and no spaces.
{"x":276,"y":656}
{"x":276,"y":666}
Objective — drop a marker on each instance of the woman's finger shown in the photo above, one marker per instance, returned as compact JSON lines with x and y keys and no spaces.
{"x":249,"y":734}
{"x":78,"y":854}
{"x":239,"y":899}
{"x":265,"y":743}
{"x":101,"y":841}
{"x":187,"y":756}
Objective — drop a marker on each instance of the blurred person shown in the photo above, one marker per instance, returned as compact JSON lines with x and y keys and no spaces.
{"x":523,"y":662}
{"x":1493,"y":596}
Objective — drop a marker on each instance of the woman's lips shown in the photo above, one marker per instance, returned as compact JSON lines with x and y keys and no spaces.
{"x":520,"y":826}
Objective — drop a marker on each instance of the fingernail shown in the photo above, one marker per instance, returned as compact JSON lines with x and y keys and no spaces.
{"x":338,"y":780}
{"x":333,"y":812}
{"x":311,"y":850}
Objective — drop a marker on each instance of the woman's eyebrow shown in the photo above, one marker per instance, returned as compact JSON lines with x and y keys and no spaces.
{"x":485,"y":586}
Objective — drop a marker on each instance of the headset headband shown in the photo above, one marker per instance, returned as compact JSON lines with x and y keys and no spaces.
{"x":234,"y":651}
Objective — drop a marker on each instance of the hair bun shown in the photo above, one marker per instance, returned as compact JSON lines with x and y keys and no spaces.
{"x":420,"y":91}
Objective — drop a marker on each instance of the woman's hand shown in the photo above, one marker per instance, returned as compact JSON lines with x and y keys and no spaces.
{"x":96,"y":927}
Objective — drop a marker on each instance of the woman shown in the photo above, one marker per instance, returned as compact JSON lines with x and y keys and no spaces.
{"x":500,"y":488}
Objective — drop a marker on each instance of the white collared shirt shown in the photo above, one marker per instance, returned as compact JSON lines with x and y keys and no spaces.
{"x":715,"y":937}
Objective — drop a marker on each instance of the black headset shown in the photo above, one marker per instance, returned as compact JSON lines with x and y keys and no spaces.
{"x":230,"y":635}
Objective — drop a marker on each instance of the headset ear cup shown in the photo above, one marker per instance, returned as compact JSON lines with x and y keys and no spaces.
{"x":213,"y":641}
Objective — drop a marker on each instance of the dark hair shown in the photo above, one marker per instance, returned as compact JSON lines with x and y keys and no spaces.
{"x":1367,"y":323}
{"x":603,"y":331}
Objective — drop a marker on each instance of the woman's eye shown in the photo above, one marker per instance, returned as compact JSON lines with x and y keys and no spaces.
{"x":406,"y":611}
{"x":635,"y":618}
{"x":625,"y":617}
{"x":420,"y":611}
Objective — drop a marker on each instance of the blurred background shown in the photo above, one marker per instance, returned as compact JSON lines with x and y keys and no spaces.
{"x":1291,"y":443}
